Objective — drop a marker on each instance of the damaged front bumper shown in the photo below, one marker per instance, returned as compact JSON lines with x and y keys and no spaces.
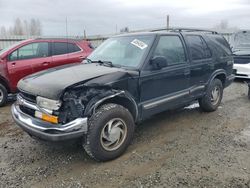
{"x":49,"y":131}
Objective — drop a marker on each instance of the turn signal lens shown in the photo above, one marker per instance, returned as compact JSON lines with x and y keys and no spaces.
{"x":46,"y":117}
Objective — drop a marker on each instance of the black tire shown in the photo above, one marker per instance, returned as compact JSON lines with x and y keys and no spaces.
{"x":3,"y":95}
{"x":206,"y":102}
{"x":94,"y":143}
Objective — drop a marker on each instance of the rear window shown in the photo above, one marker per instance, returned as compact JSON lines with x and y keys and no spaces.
{"x":198,"y":47}
{"x":220,"y":45}
{"x":60,"y":48}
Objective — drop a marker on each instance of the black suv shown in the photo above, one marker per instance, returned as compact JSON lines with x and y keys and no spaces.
{"x":125,"y":80}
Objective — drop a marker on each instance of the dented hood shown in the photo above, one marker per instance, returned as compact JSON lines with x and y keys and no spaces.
{"x":51,"y":83}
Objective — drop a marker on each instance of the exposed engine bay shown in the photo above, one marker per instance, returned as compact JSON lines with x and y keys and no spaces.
{"x":77,"y":101}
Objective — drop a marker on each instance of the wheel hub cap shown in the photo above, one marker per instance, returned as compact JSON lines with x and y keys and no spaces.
{"x":1,"y":95}
{"x":215,"y":95}
{"x":113,"y":134}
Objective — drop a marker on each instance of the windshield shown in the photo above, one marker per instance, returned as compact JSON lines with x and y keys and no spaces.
{"x":126,"y":51}
{"x":242,"y":40}
{"x":10,"y":47}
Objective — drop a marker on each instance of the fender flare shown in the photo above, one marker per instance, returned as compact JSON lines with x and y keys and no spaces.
{"x":123,"y":94}
{"x":216,"y":73}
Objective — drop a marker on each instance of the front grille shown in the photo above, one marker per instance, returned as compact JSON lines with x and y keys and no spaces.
{"x":28,"y":97}
{"x":28,"y":111}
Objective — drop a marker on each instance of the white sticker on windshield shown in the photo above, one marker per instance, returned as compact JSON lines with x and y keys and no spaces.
{"x":139,"y":44}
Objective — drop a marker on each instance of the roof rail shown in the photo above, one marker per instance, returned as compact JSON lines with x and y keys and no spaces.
{"x":59,"y":38}
{"x":185,"y":30}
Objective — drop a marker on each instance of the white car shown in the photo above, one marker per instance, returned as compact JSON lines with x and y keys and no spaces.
{"x":242,"y":64}
{"x":241,"y":52}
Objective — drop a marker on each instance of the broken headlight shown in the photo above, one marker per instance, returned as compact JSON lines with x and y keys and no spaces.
{"x":48,"y":103}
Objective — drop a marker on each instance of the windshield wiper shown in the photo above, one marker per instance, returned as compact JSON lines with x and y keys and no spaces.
{"x":109,"y":63}
{"x":88,"y":60}
{"x":101,"y":62}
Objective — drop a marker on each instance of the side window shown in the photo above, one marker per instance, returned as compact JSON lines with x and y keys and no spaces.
{"x":73,"y":48}
{"x":207,"y":51}
{"x":30,"y":51}
{"x":64,"y":48}
{"x":172,"y":48}
{"x":13,"y":56}
{"x":198,"y":47}
{"x":60,"y":48}
{"x":220,"y":45}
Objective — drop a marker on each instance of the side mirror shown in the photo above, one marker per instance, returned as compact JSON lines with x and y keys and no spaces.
{"x":159,"y":62}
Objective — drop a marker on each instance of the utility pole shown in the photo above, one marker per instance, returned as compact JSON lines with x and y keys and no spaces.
{"x":85,"y":37}
{"x":168,"y":22}
{"x":66,"y":28}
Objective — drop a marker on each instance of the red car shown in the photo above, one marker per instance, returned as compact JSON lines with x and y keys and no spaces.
{"x":33,"y":55}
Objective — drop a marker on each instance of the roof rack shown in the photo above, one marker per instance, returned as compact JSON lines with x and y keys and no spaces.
{"x":185,"y":30}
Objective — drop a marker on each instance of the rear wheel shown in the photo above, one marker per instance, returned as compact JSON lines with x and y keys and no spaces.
{"x":213,"y":97}
{"x":3,"y":95}
{"x":110,"y":132}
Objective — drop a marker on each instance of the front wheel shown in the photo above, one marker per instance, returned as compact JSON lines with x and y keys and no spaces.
{"x":3,"y":95}
{"x":110,"y":132}
{"x":212,"y":99}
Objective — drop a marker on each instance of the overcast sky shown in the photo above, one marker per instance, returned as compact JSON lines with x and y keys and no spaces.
{"x":102,"y":16}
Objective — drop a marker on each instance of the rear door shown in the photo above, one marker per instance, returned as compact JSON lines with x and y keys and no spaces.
{"x":201,"y":65}
{"x":59,"y":53}
{"x":168,"y":87}
{"x":28,"y":59}
{"x":75,"y":53}
{"x":65,"y":53}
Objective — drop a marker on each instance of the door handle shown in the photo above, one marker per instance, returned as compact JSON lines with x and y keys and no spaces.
{"x":45,"y":63}
{"x":82,"y":57}
{"x":13,"y":63}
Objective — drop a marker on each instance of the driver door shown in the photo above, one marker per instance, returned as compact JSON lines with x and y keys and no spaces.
{"x":168,"y":87}
{"x":28,"y":59}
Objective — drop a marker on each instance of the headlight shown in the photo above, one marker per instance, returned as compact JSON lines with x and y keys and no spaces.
{"x":48,"y":103}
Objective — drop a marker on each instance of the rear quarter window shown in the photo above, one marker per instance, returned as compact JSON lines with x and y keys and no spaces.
{"x":219,"y":45}
{"x":198,"y":47}
{"x":73,"y":48}
{"x":60,"y":48}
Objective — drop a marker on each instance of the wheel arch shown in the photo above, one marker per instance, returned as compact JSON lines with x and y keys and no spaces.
{"x":219,"y":74}
{"x":120,"y":97}
{"x":4,"y":82}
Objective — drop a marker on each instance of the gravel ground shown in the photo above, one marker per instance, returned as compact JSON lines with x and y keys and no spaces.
{"x":181,"y":148}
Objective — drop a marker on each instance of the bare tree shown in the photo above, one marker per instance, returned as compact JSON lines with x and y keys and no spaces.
{"x":10,"y":31}
{"x":223,"y":26}
{"x":39,"y":27}
{"x":18,"y":27}
{"x":26,"y":27}
{"x":3,"y":31}
{"x":35,"y":27}
{"x":32,"y":27}
{"x":124,"y":30}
